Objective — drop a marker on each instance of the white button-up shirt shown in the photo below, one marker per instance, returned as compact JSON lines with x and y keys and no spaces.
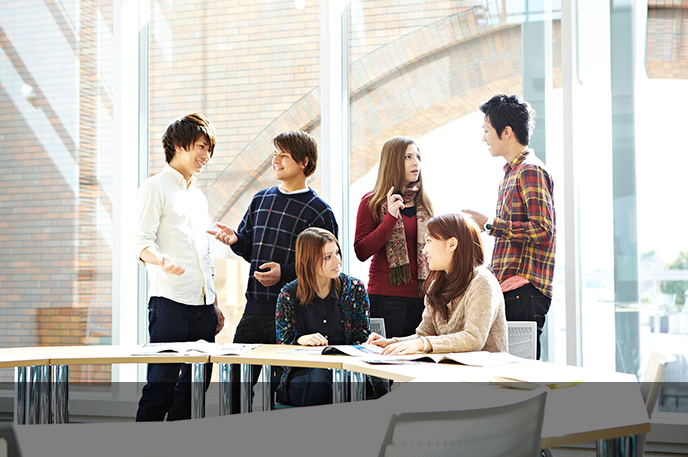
{"x":173,"y":219}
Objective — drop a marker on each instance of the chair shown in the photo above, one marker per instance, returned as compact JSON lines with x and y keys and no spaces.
{"x":652,"y":380}
{"x":9,"y":445}
{"x":651,"y":383}
{"x":512,"y":430}
{"x":522,"y":339}
{"x":377,"y":325}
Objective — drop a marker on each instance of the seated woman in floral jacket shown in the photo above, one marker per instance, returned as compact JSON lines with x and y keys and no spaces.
{"x":323,"y":306}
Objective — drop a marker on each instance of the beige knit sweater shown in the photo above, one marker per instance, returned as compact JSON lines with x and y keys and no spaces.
{"x":477,"y":320}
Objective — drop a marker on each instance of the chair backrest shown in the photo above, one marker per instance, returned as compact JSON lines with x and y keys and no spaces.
{"x":522,"y":337}
{"x":9,"y":445}
{"x":652,"y":379}
{"x":513,"y":430}
{"x":377,"y":325}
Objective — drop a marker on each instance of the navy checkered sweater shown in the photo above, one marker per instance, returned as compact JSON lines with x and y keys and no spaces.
{"x":268,"y":232}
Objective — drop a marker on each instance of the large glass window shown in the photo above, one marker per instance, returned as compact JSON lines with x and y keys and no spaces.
{"x":425,"y":80}
{"x":630,"y":158}
{"x":254,"y":70}
{"x":56,"y":191}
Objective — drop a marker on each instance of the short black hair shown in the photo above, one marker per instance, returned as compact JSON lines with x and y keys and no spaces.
{"x":185,"y":131}
{"x":510,"y":110}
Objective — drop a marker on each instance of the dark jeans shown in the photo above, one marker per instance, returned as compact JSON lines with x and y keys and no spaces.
{"x":527,"y":304}
{"x":402,"y":314}
{"x":253,"y":329}
{"x":310,"y":386}
{"x":169,"y":390}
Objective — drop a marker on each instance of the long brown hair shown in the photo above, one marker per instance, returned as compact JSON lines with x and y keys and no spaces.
{"x":309,"y":257}
{"x":392,"y":172}
{"x":441,"y":287}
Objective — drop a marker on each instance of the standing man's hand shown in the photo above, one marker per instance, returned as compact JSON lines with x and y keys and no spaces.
{"x":479,"y":218}
{"x":168,"y":266}
{"x":220,"y":318}
{"x":271,"y":276}
{"x":224,"y":234}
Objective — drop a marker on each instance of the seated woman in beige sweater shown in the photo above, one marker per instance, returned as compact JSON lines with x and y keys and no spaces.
{"x":464,"y":305}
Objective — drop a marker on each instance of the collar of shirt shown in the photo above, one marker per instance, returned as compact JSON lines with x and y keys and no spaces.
{"x":177,"y":177}
{"x":300,"y":191}
{"x":517,"y":160}
{"x":331,"y":296}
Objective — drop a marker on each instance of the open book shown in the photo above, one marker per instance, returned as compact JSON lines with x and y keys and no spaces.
{"x":200,"y":347}
{"x":356,"y":350}
{"x":475,"y":359}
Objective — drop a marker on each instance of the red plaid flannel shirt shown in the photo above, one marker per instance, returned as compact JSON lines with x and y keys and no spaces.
{"x":525,"y":224}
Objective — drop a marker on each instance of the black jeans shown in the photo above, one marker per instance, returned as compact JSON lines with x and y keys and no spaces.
{"x":527,"y":304}
{"x":310,"y":386}
{"x":169,"y":389}
{"x":253,"y":329}
{"x":402,"y":314}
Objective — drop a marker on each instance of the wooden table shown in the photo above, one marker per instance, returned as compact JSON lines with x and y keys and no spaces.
{"x":606,"y":405}
{"x":42,"y":374}
{"x":31,"y":367}
{"x":347,"y":384}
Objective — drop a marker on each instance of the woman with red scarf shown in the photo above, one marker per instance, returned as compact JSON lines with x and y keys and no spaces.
{"x":390,"y":227}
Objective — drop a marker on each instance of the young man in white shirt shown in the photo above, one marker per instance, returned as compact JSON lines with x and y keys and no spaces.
{"x":170,"y":239}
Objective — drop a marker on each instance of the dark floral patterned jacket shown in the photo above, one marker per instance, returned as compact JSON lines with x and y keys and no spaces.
{"x":355,"y":309}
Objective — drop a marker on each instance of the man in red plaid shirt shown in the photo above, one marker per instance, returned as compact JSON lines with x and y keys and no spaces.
{"x":524,"y":225}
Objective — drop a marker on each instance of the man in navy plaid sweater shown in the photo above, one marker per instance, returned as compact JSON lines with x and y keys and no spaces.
{"x":266,"y":237}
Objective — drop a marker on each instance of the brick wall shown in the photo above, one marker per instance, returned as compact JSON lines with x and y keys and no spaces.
{"x":55,"y":133}
{"x":667,"y":39}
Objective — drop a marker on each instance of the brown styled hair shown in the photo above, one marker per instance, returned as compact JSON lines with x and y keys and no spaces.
{"x":185,"y":131}
{"x":301,"y":146}
{"x":391,"y":173}
{"x":441,"y":287}
{"x":309,"y":257}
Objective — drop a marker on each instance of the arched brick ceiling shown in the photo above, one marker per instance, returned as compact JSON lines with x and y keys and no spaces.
{"x":667,"y":40}
{"x":420,"y":82}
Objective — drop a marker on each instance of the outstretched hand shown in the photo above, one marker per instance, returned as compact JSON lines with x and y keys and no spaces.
{"x":224,"y":234}
{"x":479,"y":218}
{"x":168,"y":266}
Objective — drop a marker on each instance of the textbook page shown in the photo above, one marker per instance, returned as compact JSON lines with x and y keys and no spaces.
{"x":355,"y":350}
{"x":194,"y":348}
{"x":475,"y":359}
